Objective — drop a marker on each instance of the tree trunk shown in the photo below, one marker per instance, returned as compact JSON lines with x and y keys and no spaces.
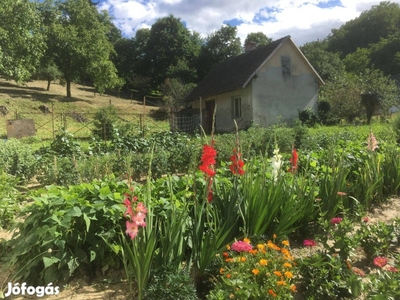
{"x":68,"y":88}
{"x":48,"y":84}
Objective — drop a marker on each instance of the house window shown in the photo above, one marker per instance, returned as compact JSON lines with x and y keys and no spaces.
{"x":285,"y":62}
{"x":237,"y":107}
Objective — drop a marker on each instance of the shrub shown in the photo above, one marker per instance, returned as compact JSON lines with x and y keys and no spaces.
{"x":307,"y":117}
{"x":169,"y":285}
{"x":9,"y":206}
{"x":65,"y":229}
{"x":104,"y":121}
{"x":18,"y":159}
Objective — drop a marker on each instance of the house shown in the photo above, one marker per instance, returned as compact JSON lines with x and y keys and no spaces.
{"x":257,"y":87}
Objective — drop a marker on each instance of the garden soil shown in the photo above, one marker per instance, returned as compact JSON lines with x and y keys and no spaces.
{"x":81,"y":287}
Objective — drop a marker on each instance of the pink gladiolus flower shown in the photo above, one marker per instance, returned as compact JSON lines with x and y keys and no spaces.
{"x":380,"y":261}
{"x":141,"y":208}
{"x":309,"y":243}
{"x":372,"y":143}
{"x":335,"y":221}
{"x":241,"y":246}
{"x":138,"y":219}
{"x":131,"y":229}
{"x":341,"y":194}
{"x":365,"y":219}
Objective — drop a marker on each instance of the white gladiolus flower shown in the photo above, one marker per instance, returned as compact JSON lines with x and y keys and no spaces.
{"x":276,"y":163}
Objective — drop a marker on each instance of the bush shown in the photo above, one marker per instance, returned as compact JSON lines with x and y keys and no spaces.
{"x":168,"y":285}
{"x":307,"y":117}
{"x":65,"y":229}
{"x":18,"y":159}
{"x":104,"y":121}
{"x":9,"y":206}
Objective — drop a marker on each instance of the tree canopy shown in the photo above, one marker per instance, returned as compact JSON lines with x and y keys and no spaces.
{"x":78,"y":43}
{"x":21,"y":39}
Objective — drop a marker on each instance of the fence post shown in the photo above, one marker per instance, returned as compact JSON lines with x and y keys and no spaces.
{"x":144,"y":112}
{"x":52,"y":119}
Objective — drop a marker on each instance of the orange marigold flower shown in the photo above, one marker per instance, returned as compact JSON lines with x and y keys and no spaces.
{"x":277,"y":273}
{"x":254,"y":252}
{"x":228,"y":276}
{"x":293,"y":288}
{"x":263,"y":262}
{"x":288,"y":274}
{"x":243,"y":259}
{"x":225,"y":254}
{"x":255,"y":271}
{"x":274,"y":236}
{"x":229,"y":260}
{"x":285,"y":243}
{"x":287,"y":265}
{"x":228,"y":247}
{"x":281,"y":282}
{"x":246,"y":240}
{"x":272,"y":293}
{"x":221,"y":271}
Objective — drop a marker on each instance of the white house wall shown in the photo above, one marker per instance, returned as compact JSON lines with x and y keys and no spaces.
{"x":224,"y":115}
{"x":277,"y":96}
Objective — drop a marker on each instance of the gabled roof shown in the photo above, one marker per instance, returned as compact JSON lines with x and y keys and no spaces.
{"x":237,"y":72}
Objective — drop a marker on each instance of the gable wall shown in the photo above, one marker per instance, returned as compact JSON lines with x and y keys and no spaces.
{"x":275,"y":95}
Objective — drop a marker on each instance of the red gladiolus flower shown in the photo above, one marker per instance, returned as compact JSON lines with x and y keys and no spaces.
{"x":309,"y":243}
{"x":208,"y":160}
{"x":293,"y":161}
{"x":237,"y":163}
{"x":380,"y":261}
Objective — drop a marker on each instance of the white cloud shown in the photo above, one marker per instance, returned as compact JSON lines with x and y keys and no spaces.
{"x":305,"y":21}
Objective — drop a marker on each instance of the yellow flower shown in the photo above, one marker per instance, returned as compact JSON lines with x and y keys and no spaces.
{"x":288,"y":274}
{"x":228,"y":247}
{"x":260,"y":247}
{"x":281,"y":282}
{"x":277,"y":273}
{"x":287,"y":265}
{"x":246,"y":240}
{"x":285,"y":243}
{"x":274,"y":236}
{"x":221,"y":271}
{"x":255,"y":271}
{"x":263,"y":262}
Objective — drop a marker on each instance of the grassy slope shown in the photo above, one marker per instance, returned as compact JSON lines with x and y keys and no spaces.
{"x":25,"y":101}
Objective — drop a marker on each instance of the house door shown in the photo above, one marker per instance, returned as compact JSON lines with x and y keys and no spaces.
{"x":210,"y":106}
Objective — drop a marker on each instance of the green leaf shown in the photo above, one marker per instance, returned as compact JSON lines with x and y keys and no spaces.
{"x":92,"y":255}
{"x":75,"y":212}
{"x":48,"y":261}
{"x":87,"y":222}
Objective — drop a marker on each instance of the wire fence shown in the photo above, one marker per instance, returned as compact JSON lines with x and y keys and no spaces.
{"x":81,"y":124}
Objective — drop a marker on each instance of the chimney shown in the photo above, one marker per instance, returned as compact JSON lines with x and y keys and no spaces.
{"x":250,"y":46}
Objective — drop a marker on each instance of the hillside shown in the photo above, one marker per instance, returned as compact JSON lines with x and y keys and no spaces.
{"x":24,"y":101}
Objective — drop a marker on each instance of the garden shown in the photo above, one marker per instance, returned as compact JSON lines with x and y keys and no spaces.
{"x":268,"y":213}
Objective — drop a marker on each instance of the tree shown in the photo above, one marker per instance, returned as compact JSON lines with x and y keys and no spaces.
{"x":219,"y":46}
{"x":77,"y":38}
{"x":379,"y":22}
{"x":343,"y":95}
{"x":357,"y":61}
{"x":174,"y":93}
{"x":380,"y":92}
{"x":21,"y":39}
{"x":257,"y":39}
{"x":169,"y":49}
{"x":383,"y":54}
{"x":328,"y":65}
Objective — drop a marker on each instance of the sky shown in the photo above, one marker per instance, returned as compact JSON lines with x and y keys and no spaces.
{"x":304,"y":21}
